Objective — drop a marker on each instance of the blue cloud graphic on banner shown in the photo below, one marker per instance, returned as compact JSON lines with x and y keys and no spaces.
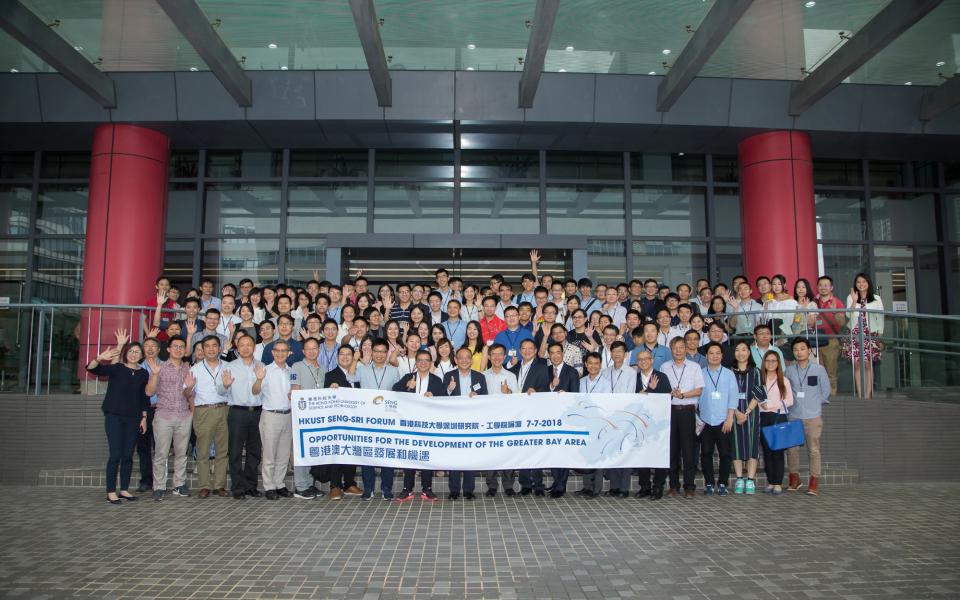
{"x":613,"y":432}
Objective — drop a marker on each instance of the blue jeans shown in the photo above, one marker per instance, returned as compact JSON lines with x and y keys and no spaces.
{"x":121,"y":438}
{"x":465,"y":479}
{"x":369,"y":476}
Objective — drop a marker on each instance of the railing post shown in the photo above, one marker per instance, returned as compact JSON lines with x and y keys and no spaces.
{"x":862,"y":319}
{"x":39,"y":365}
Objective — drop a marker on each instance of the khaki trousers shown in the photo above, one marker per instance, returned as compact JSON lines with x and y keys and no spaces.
{"x":812,"y":429}
{"x":164,"y":432}
{"x":210,"y":425}
{"x":276,"y":437}
{"x":829,"y":356}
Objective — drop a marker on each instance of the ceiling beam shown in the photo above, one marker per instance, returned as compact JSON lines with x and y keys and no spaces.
{"x":540,"y":33}
{"x":195,"y":27}
{"x":940,"y":99}
{"x":368,"y":28}
{"x":718,"y":23}
{"x":886,"y":26}
{"x":28,"y":29}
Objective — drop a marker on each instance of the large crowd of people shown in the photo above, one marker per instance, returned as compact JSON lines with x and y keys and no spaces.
{"x":215,"y":373}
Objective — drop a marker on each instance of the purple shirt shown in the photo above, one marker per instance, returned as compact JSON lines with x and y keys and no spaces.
{"x":171,"y":405}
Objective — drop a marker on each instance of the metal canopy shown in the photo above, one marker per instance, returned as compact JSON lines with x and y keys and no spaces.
{"x":542,"y":29}
{"x":708,"y":37}
{"x":940,"y":99}
{"x":189,"y":18}
{"x":894,"y":19}
{"x":33,"y":33}
{"x":368,"y":28}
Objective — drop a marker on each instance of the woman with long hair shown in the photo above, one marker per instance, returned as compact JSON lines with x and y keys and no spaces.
{"x":255,"y":298}
{"x":417,"y":316}
{"x":394,"y":341}
{"x":746,"y":429}
{"x":124,"y":407}
{"x":475,"y":344}
{"x":863,"y":298}
{"x":443,"y":363}
{"x":347,"y":314}
{"x":247,"y":325}
{"x":779,"y":398}
{"x":472,"y":307}
{"x":717,"y":313}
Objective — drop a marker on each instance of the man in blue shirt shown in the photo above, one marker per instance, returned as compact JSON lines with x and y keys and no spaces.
{"x":718,"y":402}
{"x":660,"y":353}
{"x":511,"y":337}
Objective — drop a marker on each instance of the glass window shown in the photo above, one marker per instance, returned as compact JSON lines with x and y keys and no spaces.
{"x":726,"y":212}
{"x":500,"y":164}
{"x":840,"y":215}
{"x":670,"y":262}
{"x":841,"y":263}
{"x":415,"y":164}
{"x":327,"y":208}
{"x":669,"y":211}
{"x":303,"y":258}
{"x":184,"y":164}
{"x":13,"y":269}
{"x":906,"y":217}
{"x":16,"y":165}
{"x":928,"y":280}
{"x":245,"y":163}
{"x":953,"y":275}
{"x":593,"y":165}
{"x":668,"y":167}
{"x":58,"y":270}
{"x":413,"y":208}
{"x":178,"y":264}
{"x":15,"y":210}
{"x":230,"y":260}
{"x":497,"y":208}
{"x":606,"y":261}
{"x":903,"y":174}
{"x":729,"y":262}
{"x":585,"y":210}
{"x":837,"y":172}
{"x":65,"y":165}
{"x":242,"y":209}
{"x":953,"y":205}
{"x":951,"y":174}
{"x":181,"y":208}
{"x":328,"y":163}
{"x":62,"y":208}
{"x":726,"y":169}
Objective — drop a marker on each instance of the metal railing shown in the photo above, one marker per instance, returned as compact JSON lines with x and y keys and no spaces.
{"x":45,"y":347}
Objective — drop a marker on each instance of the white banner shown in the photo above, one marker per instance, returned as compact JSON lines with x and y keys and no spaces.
{"x":499,"y":431}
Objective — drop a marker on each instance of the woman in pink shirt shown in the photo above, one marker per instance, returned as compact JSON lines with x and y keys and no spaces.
{"x":779,"y":396}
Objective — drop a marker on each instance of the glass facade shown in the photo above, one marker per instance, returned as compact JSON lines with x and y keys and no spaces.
{"x":676,"y":217}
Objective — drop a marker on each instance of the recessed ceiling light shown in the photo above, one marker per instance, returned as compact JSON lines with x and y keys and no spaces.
{"x":810,"y":4}
{"x":14,"y":70}
{"x":471,"y":46}
{"x":940,"y":63}
{"x":562,"y":70}
{"x":272,"y":46}
{"x":469,"y":68}
{"x":652,"y":73}
{"x":284,"y":68}
{"x":569,"y":48}
{"x":907,"y":83}
{"x":680,"y":153}
{"x":665,"y":51}
{"x":78,"y":48}
{"x":194,"y":69}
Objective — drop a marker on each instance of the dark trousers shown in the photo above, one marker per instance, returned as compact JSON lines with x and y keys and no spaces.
{"x":369,"y":475}
{"x":466,"y":480}
{"x":713,"y":436}
{"x":531,"y":479}
{"x":121,"y":438}
{"x":145,"y":451}
{"x":772,"y":459}
{"x":343,"y":476}
{"x":659,"y":478}
{"x":410,"y":478}
{"x":243,"y":431}
{"x":683,"y":445}
{"x":559,"y":480}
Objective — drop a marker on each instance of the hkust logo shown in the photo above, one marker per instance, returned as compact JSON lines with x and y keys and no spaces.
{"x":302,"y":404}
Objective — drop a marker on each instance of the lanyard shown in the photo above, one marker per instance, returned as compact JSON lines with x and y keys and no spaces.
{"x":512,"y":340}
{"x":426,"y":383}
{"x":680,"y":378}
{"x":523,"y":375}
{"x":329,"y":359}
{"x":803,"y":378}
{"x":410,"y":363}
{"x":379,"y":382}
{"x":453,"y":334}
{"x":613,"y":384}
{"x":316,"y":379}
{"x":213,"y":376}
{"x":665,"y":340}
{"x":716,"y":383}
{"x":595,"y":384}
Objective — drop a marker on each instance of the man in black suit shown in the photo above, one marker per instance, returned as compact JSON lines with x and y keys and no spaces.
{"x":533,"y":375}
{"x":563,"y":378}
{"x":463,"y":381}
{"x":715,"y":333}
{"x":425,"y":383}
{"x":649,"y":380}
{"x":343,"y":478}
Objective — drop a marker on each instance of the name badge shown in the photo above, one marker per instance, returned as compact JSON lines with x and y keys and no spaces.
{"x":715,"y":395}
{"x":742,"y":395}
{"x":476,"y":387}
{"x":512,"y":353}
{"x":801,"y":394}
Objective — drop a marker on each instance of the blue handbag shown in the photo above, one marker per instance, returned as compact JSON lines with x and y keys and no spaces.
{"x":783,"y":435}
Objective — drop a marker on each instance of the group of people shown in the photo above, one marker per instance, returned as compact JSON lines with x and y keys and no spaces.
{"x":217,"y":372}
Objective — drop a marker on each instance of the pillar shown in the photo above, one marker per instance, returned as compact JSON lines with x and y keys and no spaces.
{"x":777,"y":208}
{"x":126,"y":215}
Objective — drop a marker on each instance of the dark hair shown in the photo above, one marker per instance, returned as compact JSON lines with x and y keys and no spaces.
{"x":288,"y":318}
{"x":806,"y":284}
{"x":127,"y":347}
{"x":208,"y":338}
{"x":708,"y":345}
{"x":310,"y":339}
{"x":161,"y":278}
{"x":590,"y":355}
{"x":213,"y":311}
{"x":553,"y":345}
{"x":498,"y":347}
{"x":800,"y":340}
{"x":618,"y":344}
{"x":380,"y":342}
{"x":750,"y":363}
{"x":584,"y":282}
{"x":511,"y":308}
{"x":870,"y":295}
{"x":825,"y":277}
{"x":762,"y":326}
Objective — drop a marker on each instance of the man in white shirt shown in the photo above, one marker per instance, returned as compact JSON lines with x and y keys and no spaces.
{"x":686,"y":383}
{"x":378,"y":375}
{"x":273,"y":384}
{"x":307,"y":374}
{"x":500,"y":381}
{"x":613,"y":308}
{"x":623,"y":380}
{"x":210,"y":417}
{"x":243,"y":420}
{"x":592,"y":383}
{"x":464,"y":382}
{"x":684,"y":312}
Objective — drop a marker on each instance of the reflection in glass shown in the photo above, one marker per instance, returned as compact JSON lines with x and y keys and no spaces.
{"x":181,"y":208}
{"x":65,"y":165}
{"x":413,"y":208}
{"x":14,"y":210}
{"x":13,"y":266}
{"x":500,"y":164}
{"x":242,"y":209}
{"x":903,"y":174}
{"x":328,"y":163}
{"x":668,"y":167}
{"x":669,"y":261}
{"x":178,"y":264}
{"x":841,"y":263}
{"x":726,"y":169}
{"x":840,"y":215}
{"x":499,"y":208}
{"x":327,"y":208}
{"x":232,"y":259}
{"x":726,"y":212}
{"x":837,"y":172}
{"x":578,"y":165}
{"x":669,"y":211}
{"x":729,"y":262}
{"x":904,"y":217}
{"x":57,"y":270}
{"x":245,"y":163}
{"x":303,"y":258}
{"x":606,"y":261}
{"x":16,"y":165}
{"x":184,"y":164}
{"x":585,"y":209}
{"x":414,"y":163}
{"x":62,"y":209}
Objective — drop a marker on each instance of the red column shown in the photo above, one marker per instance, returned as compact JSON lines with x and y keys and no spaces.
{"x":126,"y":215}
{"x":777,"y":209}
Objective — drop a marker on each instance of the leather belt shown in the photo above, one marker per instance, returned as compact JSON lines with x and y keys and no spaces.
{"x":683,"y":406}
{"x":279,"y":412}
{"x":217,"y":405}
{"x":246,"y":408}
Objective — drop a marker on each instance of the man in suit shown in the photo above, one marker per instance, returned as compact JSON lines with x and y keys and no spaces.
{"x":563,"y":378}
{"x":343,"y":478}
{"x":649,"y":380}
{"x":425,"y":383}
{"x":464,"y":382}
{"x":533,"y":375}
